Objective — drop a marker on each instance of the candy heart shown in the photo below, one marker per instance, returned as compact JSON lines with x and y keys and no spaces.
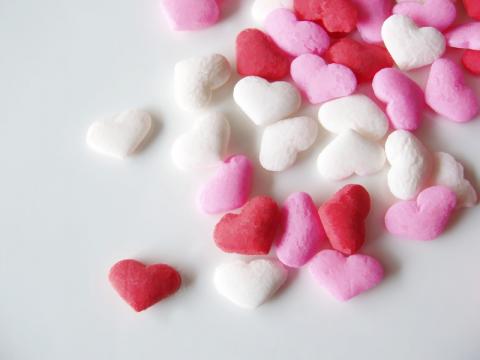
{"x":296,"y":37}
{"x":336,"y":16}
{"x":345,"y":277}
{"x":301,"y":233}
{"x":343,"y":218}
{"x":473,"y":8}
{"x":142,"y":286}
{"x":191,"y":14}
{"x":371,"y":15}
{"x":410,"y":165}
{"x":321,"y":82}
{"x":363,"y":59}
{"x":261,"y":8}
{"x":249,"y":285}
{"x":404,"y":98}
{"x":424,"y":218}
{"x":411,"y":47}
{"x":282,"y":141}
{"x":229,"y":188}
{"x":264,"y":102}
{"x":466,"y":36}
{"x":251,"y":232}
{"x":471,"y":61}
{"x":439,"y":14}
{"x":448,"y":94}
{"x":195,"y":78}
{"x":258,"y":55}
{"x":120,"y":135}
{"x":204,"y":146}
{"x":348,"y":154}
{"x":356,"y":112}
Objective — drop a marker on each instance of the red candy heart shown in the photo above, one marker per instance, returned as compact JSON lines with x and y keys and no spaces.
{"x":471,"y":61}
{"x":258,"y":55}
{"x":343,"y":218}
{"x":336,"y":16}
{"x":365,"y":60}
{"x":142,"y":286}
{"x":252,"y":231}
{"x":473,"y":8}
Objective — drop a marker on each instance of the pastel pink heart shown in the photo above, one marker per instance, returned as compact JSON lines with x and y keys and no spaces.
{"x":439,"y":14}
{"x":345,"y":277}
{"x":187,"y":15}
{"x":321,"y":82}
{"x":296,"y":37}
{"x":371,"y":15}
{"x":465,"y":36}
{"x":404,"y":98}
{"x":448,"y":94}
{"x":229,"y":188}
{"x":424,"y":218}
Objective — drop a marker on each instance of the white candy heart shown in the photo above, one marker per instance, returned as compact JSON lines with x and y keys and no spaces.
{"x":249,"y":284}
{"x":120,"y":135}
{"x":410,"y":165}
{"x":348,"y":154}
{"x":261,"y":8}
{"x":283,"y":140}
{"x":355,"y":112}
{"x":195,"y":78}
{"x":264,"y":102}
{"x":411,"y":47}
{"x":205,"y":145}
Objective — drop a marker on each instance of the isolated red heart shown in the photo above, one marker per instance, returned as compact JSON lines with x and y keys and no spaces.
{"x":473,"y":8}
{"x":471,"y":61}
{"x":252,"y":231}
{"x":258,"y":55}
{"x":142,"y":286}
{"x":343,"y":218}
{"x":365,"y":60}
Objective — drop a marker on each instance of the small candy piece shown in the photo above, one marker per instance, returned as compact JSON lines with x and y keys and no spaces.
{"x":321,"y":82}
{"x":191,"y":14}
{"x":424,"y":218}
{"x":229,"y":188}
{"x":471,"y":61}
{"x":411,"y":47}
{"x":343,"y":218}
{"x":302,"y":233}
{"x":282,"y":141}
{"x":473,"y":8}
{"x":363,"y":59}
{"x":296,"y":37}
{"x":142,"y":286}
{"x":439,"y":14}
{"x":251,"y":232}
{"x":448,"y":94}
{"x":465,"y":36}
{"x":345,"y":277}
{"x":404,"y":98}
{"x":410,"y":166}
{"x":203,"y":146}
{"x":264,"y":102}
{"x":120,"y":135}
{"x":371,"y":15}
{"x":197,"y":77}
{"x":261,"y":8}
{"x":249,"y":284}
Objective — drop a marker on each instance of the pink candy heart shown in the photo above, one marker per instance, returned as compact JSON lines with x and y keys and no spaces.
{"x":404,"y":98}
{"x":191,"y":14}
{"x":371,"y":15}
{"x":466,"y":36}
{"x":447,"y":93}
{"x":439,"y":14}
{"x":424,"y":218}
{"x":229,"y":188}
{"x":345,"y":277}
{"x":296,"y":37}
{"x":321,"y":82}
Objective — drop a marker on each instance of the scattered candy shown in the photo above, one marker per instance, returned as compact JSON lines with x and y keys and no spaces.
{"x":191,"y":14}
{"x":261,"y":8}
{"x":473,"y":8}
{"x":471,"y":61}
{"x":371,"y":15}
{"x":439,"y":14}
{"x":465,"y":36}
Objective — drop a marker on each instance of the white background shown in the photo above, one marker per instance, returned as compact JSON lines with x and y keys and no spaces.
{"x":68,"y":214}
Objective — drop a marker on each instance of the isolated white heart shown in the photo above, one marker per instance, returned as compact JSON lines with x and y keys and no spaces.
{"x":205,"y":145}
{"x":120,"y":135}
{"x":410,"y":164}
{"x":261,"y":8}
{"x":249,"y":285}
{"x":411,"y":47}
{"x":197,"y":77}
{"x":355,"y":112}
{"x":264,"y":102}
{"x":348,"y":154}
{"x":283,"y":140}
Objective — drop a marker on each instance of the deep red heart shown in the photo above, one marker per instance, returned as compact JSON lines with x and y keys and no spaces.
{"x":142,"y":286}
{"x":252,"y":231}
{"x":258,"y":55}
{"x":343,"y":218}
{"x":365,"y":60}
{"x":473,"y":8}
{"x":338,"y":17}
{"x":471,"y":61}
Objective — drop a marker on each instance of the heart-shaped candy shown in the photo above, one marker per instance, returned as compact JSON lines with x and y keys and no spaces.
{"x":191,"y":14}
{"x":466,"y":36}
{"x":473,"y":8}
{"x":471,"y":61}
{"x":261,"y":8}
{"x":439,"y":14}
{"x":371,"y":15}
{"x":142,"y":286}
